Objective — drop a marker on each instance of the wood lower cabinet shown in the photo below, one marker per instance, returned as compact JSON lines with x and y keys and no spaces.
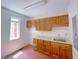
{"x":54,"y":49}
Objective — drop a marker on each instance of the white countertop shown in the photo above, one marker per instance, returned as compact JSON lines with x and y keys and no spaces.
{"x":52,"y":39}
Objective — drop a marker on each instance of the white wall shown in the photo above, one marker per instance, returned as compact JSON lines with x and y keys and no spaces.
{"x":57,"y":32}
{"x":50,"y":14}
{"x":8,"y":46}
{"x":73,"y":11}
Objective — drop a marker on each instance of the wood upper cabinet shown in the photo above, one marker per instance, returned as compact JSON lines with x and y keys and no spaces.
{"x":60,"y":21}
{"x":46,"y":24}
{"x":63,"y":20}
{"x":29,"y":23}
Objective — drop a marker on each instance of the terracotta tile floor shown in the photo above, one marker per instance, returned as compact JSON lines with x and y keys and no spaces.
{"x":29,"y":53}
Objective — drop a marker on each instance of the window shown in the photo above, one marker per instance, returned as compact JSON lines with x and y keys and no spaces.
{"x":14,"y":28}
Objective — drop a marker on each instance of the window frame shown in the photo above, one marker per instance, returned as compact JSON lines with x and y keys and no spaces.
{"x":18,"y":26}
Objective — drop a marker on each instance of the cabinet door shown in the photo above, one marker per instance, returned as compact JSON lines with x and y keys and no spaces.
{"x":48,"y":23}
{"x":40,"y":45}
{"x":42,"y":25}
{"x":55,"y":49}
{"x":63,"y":53}
{"x":29,"y":23}
{"x":63,"y":20}
{"x":45,"y":24}
{"x":35,"y":44}
{"x":47,"y":47}
{"x":69,"y":51}
{"x":66,"y":51}
{"x":37,"y":23}
{"x":55,"y":21}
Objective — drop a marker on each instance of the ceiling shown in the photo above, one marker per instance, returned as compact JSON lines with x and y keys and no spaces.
{"x":51,"y":7}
